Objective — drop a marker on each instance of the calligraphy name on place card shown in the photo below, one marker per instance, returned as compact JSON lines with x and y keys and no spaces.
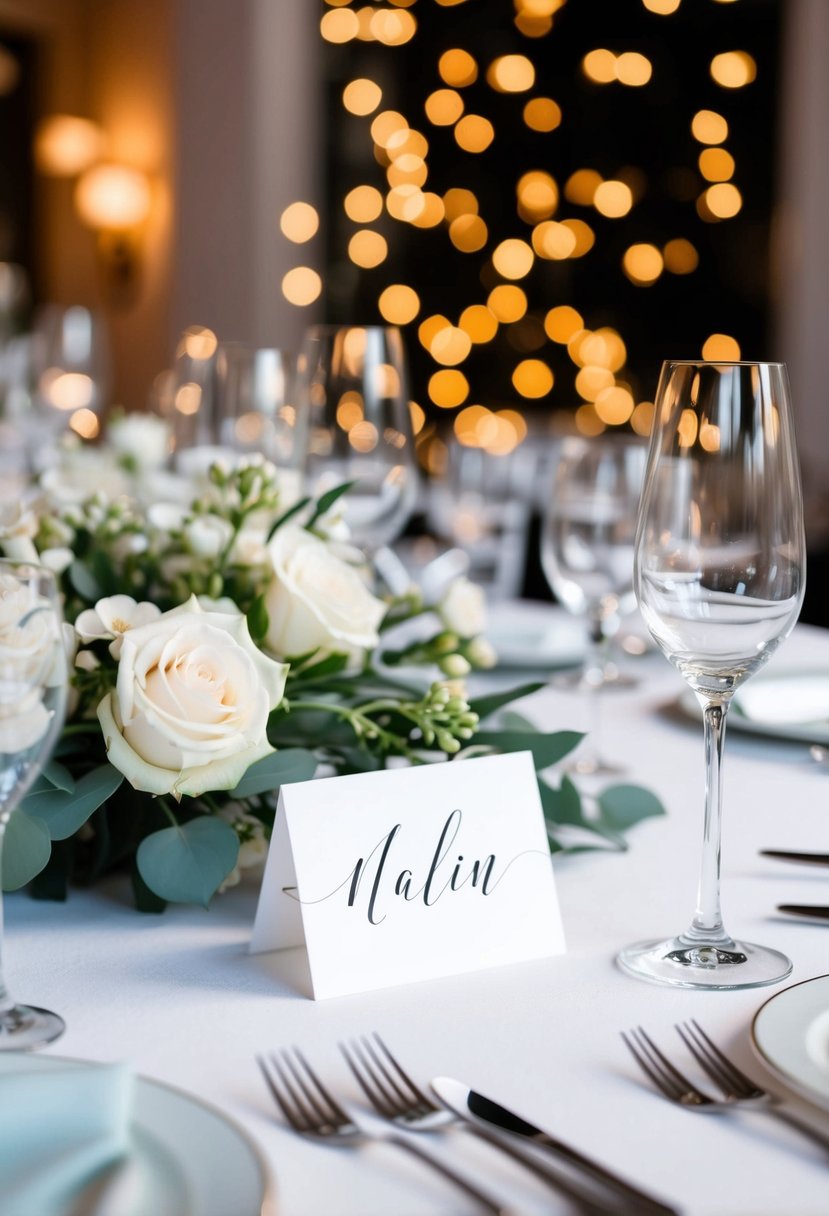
{"x":409,"y":874}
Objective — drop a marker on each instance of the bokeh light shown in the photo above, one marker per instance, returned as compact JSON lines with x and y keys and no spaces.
{"x":721,"y":347}
{"x":299,"y":222}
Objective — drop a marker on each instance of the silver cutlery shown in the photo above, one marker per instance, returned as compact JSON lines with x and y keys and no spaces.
{"x":396,"y":1097}
{"x":740,"y":1091}
{"x":310,"y":1109}
{"x":815,"y":859}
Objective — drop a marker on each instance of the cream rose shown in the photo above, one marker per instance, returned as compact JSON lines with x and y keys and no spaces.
{"x":315,"y":600}
{"x":189,"y":712}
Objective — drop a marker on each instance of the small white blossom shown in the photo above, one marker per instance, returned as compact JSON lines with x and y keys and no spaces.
{"x":112,"y":617}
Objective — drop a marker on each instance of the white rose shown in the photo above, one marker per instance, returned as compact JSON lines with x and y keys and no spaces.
{"x":315,"y":600}
{"x":23,"y":724}
{"x":463,"y":608}
{"x":208,"y":535}
{"x":189,"y":712}
{"x":144,"y":438}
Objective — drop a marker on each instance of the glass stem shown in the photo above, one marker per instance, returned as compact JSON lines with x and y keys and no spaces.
{"x":6,"y":1003}
{"x":707,"y":924}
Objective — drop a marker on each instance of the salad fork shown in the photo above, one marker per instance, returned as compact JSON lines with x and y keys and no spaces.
{"x":310,"y":1109}
{"x":398,"y":1099}
{"x":740,"y":1091}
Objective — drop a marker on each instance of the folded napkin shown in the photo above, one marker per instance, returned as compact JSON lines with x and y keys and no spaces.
{"x":62,"y":1122}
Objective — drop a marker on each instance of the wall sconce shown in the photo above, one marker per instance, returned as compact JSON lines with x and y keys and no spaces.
{"x":65,"y":145}
{"x":114,"y":200}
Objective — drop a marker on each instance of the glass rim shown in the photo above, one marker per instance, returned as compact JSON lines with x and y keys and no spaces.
{"x":723,"y":363}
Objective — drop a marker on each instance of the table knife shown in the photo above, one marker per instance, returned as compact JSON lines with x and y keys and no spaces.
{"x":807,"y":911}
{"x":817,"y":859}
{"x":484,"y":1114}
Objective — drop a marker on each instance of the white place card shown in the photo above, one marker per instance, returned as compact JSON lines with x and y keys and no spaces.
{"x":410,"y":874}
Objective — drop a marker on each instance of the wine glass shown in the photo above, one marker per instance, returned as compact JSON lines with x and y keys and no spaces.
{"x":587,"y":551}
{"x":33,"y":683}
{"x":72,"y":366}
{"x":720,"y":575}
{"x":255,"y":410}
{"x":352,"y":384}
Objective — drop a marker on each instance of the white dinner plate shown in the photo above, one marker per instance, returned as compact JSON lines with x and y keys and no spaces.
{"x":186,"y":1159}
{"x":786,"y":705}
{"x":790,"y":1033}
{"x":541,"y":636}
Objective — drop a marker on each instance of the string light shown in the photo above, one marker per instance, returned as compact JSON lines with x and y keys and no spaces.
{"x":299,"y":222}
{"x":362,"y":96}
{"x":457,"y":68}
{"x":363,"y":204}
{"x":301,"y":286}
{"x":733,"y":69}
{"x":399,"y":304}
{"x":474,"y":133}
{"x":721,"y":347}
{"x":542,"y":114}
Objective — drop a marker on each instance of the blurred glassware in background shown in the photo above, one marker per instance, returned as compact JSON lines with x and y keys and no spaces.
{"x":352,"y":387}
{"x":15,"y":380}
{"x":587,"y":539}
{"x":255,"y":410}
{"x":482,"y":505}
{"x":71,"y":371}
{"x":192,"y":393}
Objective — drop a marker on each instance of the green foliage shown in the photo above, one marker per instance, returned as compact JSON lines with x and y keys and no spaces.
{"x":188,"y":863}
{"x":26,"y":850}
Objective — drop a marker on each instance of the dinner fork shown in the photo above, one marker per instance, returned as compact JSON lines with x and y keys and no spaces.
{"x":310,"y":1108}
{"x":740,"y":1091}
{"x":397,"y":1098}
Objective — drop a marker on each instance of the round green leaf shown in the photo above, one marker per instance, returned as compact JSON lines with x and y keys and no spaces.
{"x":26,"y":850}
{"x":187,"y":864}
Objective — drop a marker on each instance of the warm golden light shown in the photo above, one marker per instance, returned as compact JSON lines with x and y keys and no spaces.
{"x":642,"y":264}
{"x":187,"y":399}
{"x":633,"y":69}
{"x":418,"y":415}
{"x":458,"y":202}
{"x":613,"y":199}
{"x":450,"y":346}
{"x":362,"y":96}
{"x":407,"y":170}
{"x":582,"y":185}
{"x":367,"y":248}
{"x":113,"y":197}
{"x":562,"y":322}
{"x":457,"y":68}
{"x":405,"y":202}
{"x":479,"y":322}
{"x":444,"y":107}
{"x":198,"y":342}
{"x":299,"y":222}
{"x":385,"y":125}
{"x":448,"y":388}
{"x":511,"y":74}
{"x":532,"y":378}
{"x":716,"y":165}
{"x":468,"y":233}
{"x":65,"y":145}
{"x":614,"y":406}
{"x":600,"y":65}
{"x":432,"y":213}
{"x":663,"y":7}
{"x":513,"y":259}
{"x":583,"y":235}
{"x":67,"y":390}
{"x":349,"y":410}
{"x":553,"y":241}
{"x":721,"y":348}
{"x":591,"y":380}
{"x":84,"y":423}
{"x":687,"y":428}
{"x":466,"y":424}
{"x":405,"y":141}
{"x":641,"y":420}
{"x":733,"y":69}
{"x":399,"y":304}
{"x":339,"y":25}
{"x":532,"y":27}
{"x":537,"y":195}
{"x":720,"y":202}
{"x":392,"y":28}
{"x":680,"y":256}
{"x":474,"y":133}
{"x":709,"y":127}
{"x":603,"y":348}
{"x":709,"y":437}
{"x":588,"y":421}
{"x":363,"y":204}
{"x":542,"y":114}
{"x":301,"y":286}
{"x":507,"y":302}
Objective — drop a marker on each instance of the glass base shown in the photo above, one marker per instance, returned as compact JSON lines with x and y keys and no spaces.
{"x":684,"y":963}
{"x":25,"y":1027}
{"x":594,"y":766}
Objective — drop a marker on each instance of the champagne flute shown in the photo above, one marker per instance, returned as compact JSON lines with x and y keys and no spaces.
{"x":719,"y":575}
{"x":587,"y":551}
{"x":352,"y":384}
{"x":33,"y":683}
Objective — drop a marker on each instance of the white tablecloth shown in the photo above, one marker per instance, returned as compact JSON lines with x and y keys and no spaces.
{"x":179,"y":998}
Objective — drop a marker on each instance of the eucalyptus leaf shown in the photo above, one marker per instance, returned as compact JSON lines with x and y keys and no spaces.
{"x":59,"y":776}
{"x":85,"y":582}
{"x":26,"y":850}
{"x":562,"y":805}
{"x":187,"y":864}
{"x":547,"y":749}
{"x":622,"y":806}
{"x":62,"y":813}
{"x":484,"y":707}
{"x":291,"y":764}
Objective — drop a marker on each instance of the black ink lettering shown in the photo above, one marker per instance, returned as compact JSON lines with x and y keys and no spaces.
{"x":403,"y":886}
{"x":443,"y":847}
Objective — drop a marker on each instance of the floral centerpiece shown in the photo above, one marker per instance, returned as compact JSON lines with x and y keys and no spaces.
{"x":223,"y":639}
